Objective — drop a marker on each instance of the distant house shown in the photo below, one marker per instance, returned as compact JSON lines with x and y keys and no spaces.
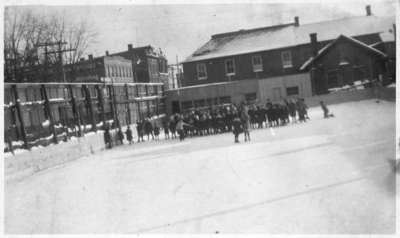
{"x":111,"y":69}
{"x":149,"y":65}
{"x":344,"y":61}
{"x":274,"y":57}
{"x":175,"y":75}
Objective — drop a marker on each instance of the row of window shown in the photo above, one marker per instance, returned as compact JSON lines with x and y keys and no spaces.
{"x":186,"y":105}
{"x":256,"y":60}
{"x":118,"y":71}
{"x":332,"y":76}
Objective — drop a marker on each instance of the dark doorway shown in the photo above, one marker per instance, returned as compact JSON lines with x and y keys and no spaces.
{"x":175,"y":107}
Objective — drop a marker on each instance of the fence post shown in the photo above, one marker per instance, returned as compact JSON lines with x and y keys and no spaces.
{"x":75,"y":110}
{"x":101,"y":105}
{"x":20,"y":118}
{"x":128,"y":103}
{"x":49,"y":115}
{"x":14,"y":121}
{"x":113,"y":105}
{"x":90,"y":107}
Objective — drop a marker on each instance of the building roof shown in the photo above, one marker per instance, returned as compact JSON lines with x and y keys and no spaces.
{"x":325,"y":49}
{"x":156,"y":52}
{"x":286,"y":35}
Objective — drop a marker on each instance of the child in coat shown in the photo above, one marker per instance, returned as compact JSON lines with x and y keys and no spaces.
{"x":325,"y":110}
{"x":237,"y":127}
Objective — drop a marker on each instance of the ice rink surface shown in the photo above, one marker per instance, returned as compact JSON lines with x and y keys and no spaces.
{"x":325,"y":176}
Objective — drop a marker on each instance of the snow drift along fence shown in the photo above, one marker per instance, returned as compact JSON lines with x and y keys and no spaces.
{"x":39,"y":158}
{"x":355,"y":95}
{"x":44,"y":113}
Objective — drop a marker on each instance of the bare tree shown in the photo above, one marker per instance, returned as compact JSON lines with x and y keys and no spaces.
{"x":25,"y":30}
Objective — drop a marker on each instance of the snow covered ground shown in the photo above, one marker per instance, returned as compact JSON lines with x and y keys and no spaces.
{"x":325,"y":176}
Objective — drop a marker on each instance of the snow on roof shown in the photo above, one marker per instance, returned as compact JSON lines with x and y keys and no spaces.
{"x":324,"y":49}
{"x":199,"y":86}
{"x":286,"y":35}
{"x":387,"y":36}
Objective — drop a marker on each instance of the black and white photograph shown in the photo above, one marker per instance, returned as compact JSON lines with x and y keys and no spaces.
{"x":200,"y":118}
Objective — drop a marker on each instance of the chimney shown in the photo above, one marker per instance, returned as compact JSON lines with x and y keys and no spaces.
{"x":107,"y":53}
{"x":394,"y":31}
{"x":314,"y":44}
{"x":130,"y":47}
{"x":296,"y":21}
{"x":90,"y":57}
{"x":368,"y":10}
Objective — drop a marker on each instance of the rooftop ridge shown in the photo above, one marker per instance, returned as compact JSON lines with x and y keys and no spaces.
{"x":232,"y":33}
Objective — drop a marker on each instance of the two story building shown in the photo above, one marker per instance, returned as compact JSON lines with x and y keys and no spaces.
{"x":149,"y":64}
{"x":111,"y":69}
{"x":270,"y":62}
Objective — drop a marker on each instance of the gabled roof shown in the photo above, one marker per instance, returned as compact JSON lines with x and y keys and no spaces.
{"x":322,"y":51}
{"x":287,"y":35}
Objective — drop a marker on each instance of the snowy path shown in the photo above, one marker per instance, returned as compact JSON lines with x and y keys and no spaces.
{"x":325,"y":176}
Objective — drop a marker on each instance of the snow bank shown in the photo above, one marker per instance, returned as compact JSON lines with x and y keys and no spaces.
{"x":392,"y":85}
{"x":24,"y":164}
{"x":342,"y":96}
{"x":46,"y":123}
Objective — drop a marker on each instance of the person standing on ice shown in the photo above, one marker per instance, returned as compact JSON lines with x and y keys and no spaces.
{"x":301,"y":110}
{"x":180,"y":128}
{"x":139,"y":130}
{"x":292,"y":110}
{"x":166,"y":128}
{"x":129,"y":135}
{"x":237,"y":127}
{"x":325,"y":110}
{"x":148,"y":129}
{"x":245,"y":118}
{"x":107,"y":138}
{"x":120,"y":136}
{"x":156,"y":132}
{"x":172,"y":127}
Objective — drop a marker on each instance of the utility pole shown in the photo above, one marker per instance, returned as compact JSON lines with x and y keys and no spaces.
{"x":59,"y":51}
{"x":178,"y":73}
{"x":173,"y":76}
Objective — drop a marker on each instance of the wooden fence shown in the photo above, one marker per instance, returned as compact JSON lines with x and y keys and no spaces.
{"x":43,"y":113}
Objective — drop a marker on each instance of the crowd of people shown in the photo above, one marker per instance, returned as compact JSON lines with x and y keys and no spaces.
{"x":235,"y":118}
{"x":224,"y":119}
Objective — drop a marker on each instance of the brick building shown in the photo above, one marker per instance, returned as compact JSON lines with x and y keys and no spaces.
{"x":113,"y":69}
{"x":148,"y":64}
{"x":273,"y":54}
{"x":344,"y":61}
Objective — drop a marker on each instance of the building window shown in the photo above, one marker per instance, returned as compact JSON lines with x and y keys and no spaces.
{"x":199,"y":103}
{"x":107,"y":69}
{"x":93,"y":92}
{"x":186,"y":105}
{"x":360,"y":73}
{"x":286,"y":59}
{"x":257,"y":63}
{"x":291,"y":91}
{"x":201,"y":71}
{"x":229,"y":67}
{"x":112,"y":71}
{"x":250,"y":97}
{"x":105,"y":93}
{"x":225,"y":100}
{"x":332,"y":77}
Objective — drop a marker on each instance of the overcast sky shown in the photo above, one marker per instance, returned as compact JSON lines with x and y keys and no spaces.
{"x":180,"y":29}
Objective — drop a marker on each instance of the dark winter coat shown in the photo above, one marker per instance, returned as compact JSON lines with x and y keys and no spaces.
{"x":129,"y":134}
{"x":237,"y":126}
